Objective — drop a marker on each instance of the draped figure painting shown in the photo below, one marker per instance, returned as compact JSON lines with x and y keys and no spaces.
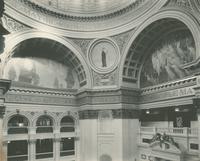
{"x":165,"y":62}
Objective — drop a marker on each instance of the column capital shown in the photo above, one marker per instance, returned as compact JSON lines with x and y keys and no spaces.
{"x":57,"y":139}
{"x":4,"y":86}
{"x":32,"y":141}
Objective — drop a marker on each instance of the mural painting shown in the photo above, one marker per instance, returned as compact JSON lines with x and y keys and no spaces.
{"x":165,"y":61}
{"x":41,"y":72}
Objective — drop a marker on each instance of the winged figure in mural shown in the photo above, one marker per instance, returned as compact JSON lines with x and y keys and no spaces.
{"x":164,"y":139}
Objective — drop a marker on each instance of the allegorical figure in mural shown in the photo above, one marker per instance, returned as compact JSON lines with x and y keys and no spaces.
{"x":3,"y":31}
{"x":103,"y":57}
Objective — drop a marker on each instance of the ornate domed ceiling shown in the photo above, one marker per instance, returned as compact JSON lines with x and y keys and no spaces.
{"x":83,"y":18}
{"x":86,"y":7}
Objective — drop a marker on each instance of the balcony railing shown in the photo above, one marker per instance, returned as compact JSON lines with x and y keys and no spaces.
{"x":171,"y":131}
{"x":18,"y":157}
{"x":44,"y":155}
{"x":67,"y":152}
{"x":17,"y":130}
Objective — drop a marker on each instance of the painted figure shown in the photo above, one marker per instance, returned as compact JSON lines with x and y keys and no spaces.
{"x":103,"y":57}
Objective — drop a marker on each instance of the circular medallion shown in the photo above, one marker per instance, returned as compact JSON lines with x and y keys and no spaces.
{"x":103,"y":55}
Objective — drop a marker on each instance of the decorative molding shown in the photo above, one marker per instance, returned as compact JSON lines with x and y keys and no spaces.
{"x":184,"y":16}
{"x":88,"y":114}
{"x":125,"y":114}
{"x":171,"y":94}
{"x":191,"y":81}
{"x":122,"y":39}
{"x":43,"y":91}
{"x":116,"y":114}
{"x":38,"y":99}
{"x":179,"y":3}
{"x":12,"y":25}
{"x":103,"y":97}
{"x":83,"y":44}
{"x":105,"y":114}
{"x":33,"y":118}
{"x":105,"y":79}
{"x":103,"y":55}
{"x":80,"y":26}
{"x":64,"y":15}
{"x":75,"y":56}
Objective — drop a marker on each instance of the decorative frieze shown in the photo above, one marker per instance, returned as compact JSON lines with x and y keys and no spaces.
{"x":73,"y":24}
{"x":115,"y":114}
{"x":171,"y":94}
{"x":64,"y":15}
{"x":12,"y":25}
{"x":105,"y":79}
{"x":179,"y":3}
{"x":38,"y":99}
{"x":122,"y":39}
{"x":83,"y":44}
{"x":107,"y":97}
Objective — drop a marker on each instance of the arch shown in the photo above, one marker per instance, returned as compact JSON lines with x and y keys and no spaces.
{"x":17,"y":38}
{"x":180,"y":15}
{"x":71,"y":114}
{"x":8,"y":116}
{"x":46,"y":113}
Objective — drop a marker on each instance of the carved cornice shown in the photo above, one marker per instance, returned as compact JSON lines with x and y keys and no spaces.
{"x":43,"y":9}
{"x":171,"y":90}
{"x":116,"y":114}
{"x":117,"y":96}
{"x":40,"y":96}
{"x":12,"y":25}
{"x":170,"y":85}
{"x":52,"y":92}
{"x":123,"y":20}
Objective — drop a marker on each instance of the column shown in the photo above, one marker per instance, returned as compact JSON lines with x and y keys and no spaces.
{"x":56,"y":146}
{"x":56,"y":151}
{"x":198,"y":114}
{"x":3,"y":154}
{"x":5,"y":149}
{"x":32,"y":149}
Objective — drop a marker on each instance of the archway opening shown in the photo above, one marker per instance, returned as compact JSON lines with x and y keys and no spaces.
{"x":44,"y":63}
{"x":18,"y":124}
{"x":159,"y":53}
{"x":67,"y":124}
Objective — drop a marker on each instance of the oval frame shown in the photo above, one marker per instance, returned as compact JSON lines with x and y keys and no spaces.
{"x":103,"y":70}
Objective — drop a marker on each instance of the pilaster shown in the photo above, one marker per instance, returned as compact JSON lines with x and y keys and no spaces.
{"x":198,"y":115}
{"x":2,"y":152}
{"x":57,"y":148}
{"x":32,"y":151}
{"x":4,"y":86}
